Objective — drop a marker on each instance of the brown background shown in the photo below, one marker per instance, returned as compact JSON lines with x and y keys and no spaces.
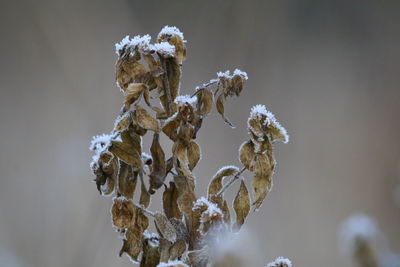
{"x":329,"y":70}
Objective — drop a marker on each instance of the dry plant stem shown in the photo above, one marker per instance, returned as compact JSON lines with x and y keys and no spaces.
{"x":186,"y":221}
{"x":230,"y":182}
{"x":167,"y":91}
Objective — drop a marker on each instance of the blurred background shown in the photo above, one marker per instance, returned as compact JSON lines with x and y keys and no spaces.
{"x":328,"y":70}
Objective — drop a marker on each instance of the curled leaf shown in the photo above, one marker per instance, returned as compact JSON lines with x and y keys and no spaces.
{"x":170,"y":202}
{"x":123,"y":213}
{"x":158,"y":173}
{"x":247,"y":154}
{"x":205,"y":99}
{"x":132,"y":93}
{"x":127,"y":180}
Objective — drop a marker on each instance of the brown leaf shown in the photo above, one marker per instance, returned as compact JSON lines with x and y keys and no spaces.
{"x":194,"y":154}
{"x":132,"y":93}
{"x":151,"y":254}
{"x":122,"y":123}
{"x":123,"y":213}
{"x":127,"y":180}
{"x":144,"y":193}
{"x":220,"y":108}
{"x":133,"y":241}
{"x":216,"y":184}
{"x":129,"y":150}
{"x":145,"y":120}
{"x":262,"y":182}
{"x":170,"y":204}
{"x":170,"y":127}
{"x":177,"y":249}
{"x":166,"y":229}
{"x":241,"y":205}
{"x":205,"y":100}
{"x":247,"y":155}
{"x":158,"y":173}
{"x":181,"y":161}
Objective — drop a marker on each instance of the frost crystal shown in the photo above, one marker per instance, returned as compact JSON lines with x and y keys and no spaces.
{"x":227,"y":74}
{"x":171,"y":30}
{"x":241,"y":73}
{"x":212,"y":208}
{"x":258,"y":111}
{"x":228,"y":167}
{"x":172,"y":264}
{"x":182,"y":99}
{"x":99,"y":144}
{"x":280,"y":262}
{"x":164,"y":48}
{"x":142,"y":42}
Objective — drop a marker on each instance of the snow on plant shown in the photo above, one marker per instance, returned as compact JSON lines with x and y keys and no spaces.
{"x":188,"y":224}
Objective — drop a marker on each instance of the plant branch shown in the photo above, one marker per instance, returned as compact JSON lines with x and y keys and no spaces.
{"x":230,"y":182}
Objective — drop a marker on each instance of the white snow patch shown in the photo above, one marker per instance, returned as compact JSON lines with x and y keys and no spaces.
{"x":183,"y":99}
{"x":228,"y":167}
{"x":225,"y":74}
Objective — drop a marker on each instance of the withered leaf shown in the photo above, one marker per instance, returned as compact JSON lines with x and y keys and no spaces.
{"x":145,"y":120}
{"x":151,"y":254}
{"x":170,"y":202}
{"x":216,"y":182}
{"x":194,"y":154}
{"x":132,"y":93}
{"x":129,"y":150}
{"x":221,"y":109}
{"x":166,"y":229}
{"x":127,"y":180}
{"x":171,"y":126}
{"x":205,"y":100}
{"x":122,"y":123}
{"x":181,"y":160}
{"x":133,"y":241}
{"x":177,"y":249}
{"x":158,"y":173}
{"x":123,"y":213}
{"x":262,"y":182}
{"x":247,"y":154}
{"x":241,"y":205}
{"x":144,"y":193}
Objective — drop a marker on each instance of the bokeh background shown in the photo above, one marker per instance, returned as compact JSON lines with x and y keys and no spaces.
{"x":329,"y":70}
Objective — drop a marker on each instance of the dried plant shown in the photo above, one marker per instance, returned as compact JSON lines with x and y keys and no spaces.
{"x":189,"y":225}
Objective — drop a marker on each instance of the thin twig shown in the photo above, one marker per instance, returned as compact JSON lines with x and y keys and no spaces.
{"x":231,"y":181}
{"x":146,"y":211}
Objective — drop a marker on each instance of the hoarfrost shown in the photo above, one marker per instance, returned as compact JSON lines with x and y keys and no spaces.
{"x":172,"y":263}
{"x":182,"y":99}
{"x":212,"y":208}
{"x":171,"y":30}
